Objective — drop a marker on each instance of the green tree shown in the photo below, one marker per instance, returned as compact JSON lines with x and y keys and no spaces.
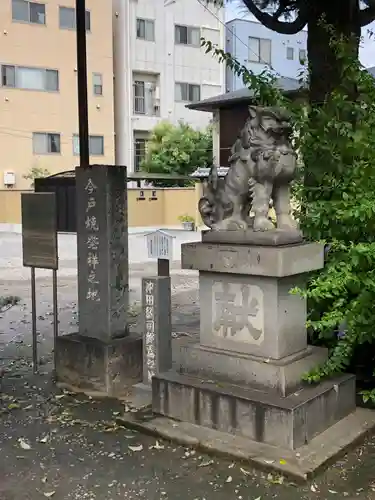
{"x":346,"y":17}
{"x":338,"y":209}
{"x":36,"y":173}
{"x":177,"y":149}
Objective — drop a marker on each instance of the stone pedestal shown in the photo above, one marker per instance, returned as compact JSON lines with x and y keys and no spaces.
{"x":91,"y":365}
{"x":102,"y":243}
{"x":244,"y":377}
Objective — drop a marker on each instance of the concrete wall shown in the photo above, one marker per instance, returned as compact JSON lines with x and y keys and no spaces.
{"x":238,"y":32}
{"x":26,"y":111}
{"x":162,"y":211}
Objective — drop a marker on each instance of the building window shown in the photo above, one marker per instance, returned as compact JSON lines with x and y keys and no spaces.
{"x":146,"y":30}
{"x":140,"y":146}
{"x":302,"y":55}
{"x":67,"y":18}
{"x":21,"y":77}
{"x":144,"y":98}
{"x":139,"y":98}
{"x":44,"y":143}
{"x":97,"y":83}
{"x":187,"y":35}
{"x":260,"y":50}
{"x":96,"y":145}
{"x":290,"y":53}
{"x":187,"y":92}
{"x":28,"y":12}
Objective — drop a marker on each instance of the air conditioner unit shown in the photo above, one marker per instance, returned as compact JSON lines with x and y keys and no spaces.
{"x":9,"y":178}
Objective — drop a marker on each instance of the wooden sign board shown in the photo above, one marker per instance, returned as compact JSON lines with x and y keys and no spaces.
{"x":39,"y":230}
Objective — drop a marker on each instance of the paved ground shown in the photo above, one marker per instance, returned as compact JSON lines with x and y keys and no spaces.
{"x":11,"y":252}
{"x":62,"y":446}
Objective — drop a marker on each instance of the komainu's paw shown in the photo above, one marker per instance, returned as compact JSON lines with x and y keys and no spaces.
{"x":231,"y":224}
{"x":262,"y":223}
{"x":286,"y":223}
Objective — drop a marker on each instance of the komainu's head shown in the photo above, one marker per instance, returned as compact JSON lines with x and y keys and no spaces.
{"x":273,"y":122}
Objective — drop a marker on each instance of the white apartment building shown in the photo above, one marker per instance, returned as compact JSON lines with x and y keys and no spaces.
{"x":159,"y":67}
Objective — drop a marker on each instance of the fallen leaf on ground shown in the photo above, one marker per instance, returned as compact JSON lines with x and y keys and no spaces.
{"x":229,"y":479}
{"x":157,"y":446}
{"x":49,"y":494}
{"x":24,"y":445}
{"x":244,"y":471}
{"x":206,"y":463}
{"x":13,"y":406}
{"x":313,"y":488}
{"x":332,"y":491}
{"x":44,"y":439}
{"x":275,"y":480}
{"x":136,"y":448}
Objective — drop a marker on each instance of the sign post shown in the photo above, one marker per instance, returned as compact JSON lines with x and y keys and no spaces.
{"x":39,"y":249}
{"x":157,"y":310}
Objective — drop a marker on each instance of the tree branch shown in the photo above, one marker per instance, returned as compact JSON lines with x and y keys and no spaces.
{"x":366,"y":16}
{"x":282,"y":27}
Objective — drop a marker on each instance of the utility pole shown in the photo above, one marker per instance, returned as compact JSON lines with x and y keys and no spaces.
{"x":83,"y":117}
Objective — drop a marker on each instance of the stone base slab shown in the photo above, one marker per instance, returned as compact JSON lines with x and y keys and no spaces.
{"x":283,"y":375}
{"x":288,"y":422}
{"x":254,"y":260}
{"x":94,"y":366}
{"x":301,"y":464}
{"x":274,"y":237}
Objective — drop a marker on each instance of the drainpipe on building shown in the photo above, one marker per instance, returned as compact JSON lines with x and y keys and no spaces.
{"x":122,"y":90}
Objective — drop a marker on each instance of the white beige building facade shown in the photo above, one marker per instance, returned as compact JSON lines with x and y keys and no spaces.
{"x":160,"y":67}
{"x":144,"y":64}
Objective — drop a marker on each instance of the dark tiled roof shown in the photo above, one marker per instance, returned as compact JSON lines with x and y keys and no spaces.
{"x":203,"y":172}
{"x":289,"y":85}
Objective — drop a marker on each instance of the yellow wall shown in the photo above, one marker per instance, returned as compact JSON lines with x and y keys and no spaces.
{"x":164,"y":211}
{"x":178,"y":201}
{"x":10,"y":207}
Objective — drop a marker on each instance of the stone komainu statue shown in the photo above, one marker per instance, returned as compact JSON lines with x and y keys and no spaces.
{"x":261,"y":167}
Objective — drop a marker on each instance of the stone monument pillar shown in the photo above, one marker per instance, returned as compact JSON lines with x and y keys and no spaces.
{"x":103,"y":356}
{"x":244,"y":377}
